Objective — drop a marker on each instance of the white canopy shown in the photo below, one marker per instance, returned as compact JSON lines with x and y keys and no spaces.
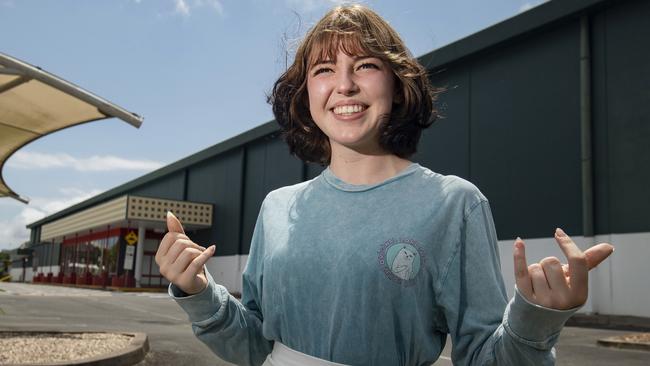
{"x":34,"y":103}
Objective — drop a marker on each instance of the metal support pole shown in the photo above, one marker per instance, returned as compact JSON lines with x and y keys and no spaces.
{"x":585,"y":129}
{"x":139,"y":254}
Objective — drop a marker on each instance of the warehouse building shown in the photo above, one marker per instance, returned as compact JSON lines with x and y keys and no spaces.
{"x":547,"y":113}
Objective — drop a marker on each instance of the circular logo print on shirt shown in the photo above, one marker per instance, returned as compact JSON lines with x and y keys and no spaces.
{"x":400,"y":260}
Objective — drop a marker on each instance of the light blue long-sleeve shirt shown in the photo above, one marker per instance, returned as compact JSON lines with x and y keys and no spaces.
{"x":375,"y":275}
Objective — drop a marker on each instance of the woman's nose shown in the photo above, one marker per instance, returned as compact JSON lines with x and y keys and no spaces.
{"x":346,"y":84}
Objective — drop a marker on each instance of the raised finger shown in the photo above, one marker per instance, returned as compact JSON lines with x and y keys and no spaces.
{"x":522,"y":278}
{"x":183,"y":260}
{"x":178,"y":247}
{"x":167,"y":241}
{"x":597,"y":254}
{"x":554,"y":275}
{"x":578,"y":270}
{"x":196,"y":265}
{"x":541,"y":288}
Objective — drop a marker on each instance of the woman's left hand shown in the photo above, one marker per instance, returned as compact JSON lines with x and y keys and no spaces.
{"x":552,"y":284}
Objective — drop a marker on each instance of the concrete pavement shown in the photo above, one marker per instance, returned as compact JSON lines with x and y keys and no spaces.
{"x":43,"y":307}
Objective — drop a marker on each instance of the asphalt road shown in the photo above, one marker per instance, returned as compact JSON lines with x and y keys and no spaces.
{"x":41,"y":307}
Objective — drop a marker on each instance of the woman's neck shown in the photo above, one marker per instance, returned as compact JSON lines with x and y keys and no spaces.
{"x":355,"y":168}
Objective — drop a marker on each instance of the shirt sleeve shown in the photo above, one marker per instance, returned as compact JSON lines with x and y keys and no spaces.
{"x":485,"y":328}
{"x":230,"y":328}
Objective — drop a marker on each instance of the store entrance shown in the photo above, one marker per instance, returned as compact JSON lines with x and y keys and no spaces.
{"x":151,"y":276}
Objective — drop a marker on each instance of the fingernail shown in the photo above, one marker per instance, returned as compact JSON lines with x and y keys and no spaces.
{"x":518,"y":239}
{"x":169,"y":213}
{"x":560,"y":232}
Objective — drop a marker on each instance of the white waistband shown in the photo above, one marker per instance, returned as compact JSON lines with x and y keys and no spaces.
{"x":285,"y":356}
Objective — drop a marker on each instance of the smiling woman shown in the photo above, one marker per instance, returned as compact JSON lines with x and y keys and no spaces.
{"x":350,"y":99}
{"x":376,"y":54}
{"x":378,"y":259}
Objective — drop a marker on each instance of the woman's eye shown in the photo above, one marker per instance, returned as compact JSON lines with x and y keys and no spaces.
{"x":322,"y":70}
{"x":368,"y":65}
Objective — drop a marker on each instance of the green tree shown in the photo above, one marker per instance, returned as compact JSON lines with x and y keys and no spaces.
{"x":5,"y":262}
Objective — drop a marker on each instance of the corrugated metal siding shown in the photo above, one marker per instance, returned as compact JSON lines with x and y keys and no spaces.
{"x":525,"y":133}
{"x":269,"y":166}
{"x":219,"y":180}
{"x":254,"y":189}
{"x":444,"y":147}
{"x":171,"y":187}
{"x":102,"y":214}
{"x":622,"y":117}
{"x":512,"y":126}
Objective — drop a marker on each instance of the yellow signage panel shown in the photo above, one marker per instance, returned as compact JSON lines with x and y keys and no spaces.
{"x":131,"y":238}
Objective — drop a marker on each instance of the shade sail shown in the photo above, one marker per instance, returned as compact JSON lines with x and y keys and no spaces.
{"x":34,"y":103}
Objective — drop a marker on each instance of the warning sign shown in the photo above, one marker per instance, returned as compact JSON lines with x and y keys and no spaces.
{"x":131,"y":238}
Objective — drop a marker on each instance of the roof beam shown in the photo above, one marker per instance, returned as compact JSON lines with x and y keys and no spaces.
{"x":9,"y":71}
{"x":14,"y":83}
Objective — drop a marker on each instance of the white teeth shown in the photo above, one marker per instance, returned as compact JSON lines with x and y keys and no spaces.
{"x":348,"y":109}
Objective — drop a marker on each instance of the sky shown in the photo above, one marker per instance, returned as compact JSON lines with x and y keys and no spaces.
{"x":198,"y":71}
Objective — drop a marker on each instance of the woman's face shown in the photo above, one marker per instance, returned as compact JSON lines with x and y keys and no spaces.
{"x":348,"y":99}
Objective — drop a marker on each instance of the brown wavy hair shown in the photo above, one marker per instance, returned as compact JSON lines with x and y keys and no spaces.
{"x":355,"y":30}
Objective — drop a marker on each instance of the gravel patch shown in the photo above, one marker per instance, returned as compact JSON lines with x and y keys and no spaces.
{"x":637,"y":338}
{"x":639,"y":341}
{"x":37,"y":348}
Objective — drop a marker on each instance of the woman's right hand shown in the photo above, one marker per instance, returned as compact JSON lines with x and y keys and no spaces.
{"x":180,"y":260}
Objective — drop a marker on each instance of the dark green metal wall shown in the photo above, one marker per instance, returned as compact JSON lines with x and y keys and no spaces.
{"x":268,"y":166}
{"x":171,"y":187}
{"x":512,"y":127}
{"x":219,"y":181}
{"x":621,"y":70}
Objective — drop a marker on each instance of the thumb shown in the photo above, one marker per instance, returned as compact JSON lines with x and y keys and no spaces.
{"x":173,"y":224}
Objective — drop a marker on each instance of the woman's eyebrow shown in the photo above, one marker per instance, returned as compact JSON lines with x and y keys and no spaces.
{"x":331,"y":62}
{"x":320,"y":62}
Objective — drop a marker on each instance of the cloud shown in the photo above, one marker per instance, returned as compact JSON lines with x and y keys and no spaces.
{"x":29,"y":160}
{"x":13,"y":231}
{"x":525,"y":7}
{"x":180,"y":7}
{"x":529,"y":5}
{"x":184,"y":8}
{"x":215,"y":4}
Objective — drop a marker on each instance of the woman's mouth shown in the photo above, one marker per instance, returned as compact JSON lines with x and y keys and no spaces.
{"x":348,"y":110}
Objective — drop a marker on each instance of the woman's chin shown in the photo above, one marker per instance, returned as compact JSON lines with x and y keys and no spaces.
{"x":355,"y":145}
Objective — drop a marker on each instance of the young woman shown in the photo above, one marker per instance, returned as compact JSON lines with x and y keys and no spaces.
{"x":378,"y":259}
